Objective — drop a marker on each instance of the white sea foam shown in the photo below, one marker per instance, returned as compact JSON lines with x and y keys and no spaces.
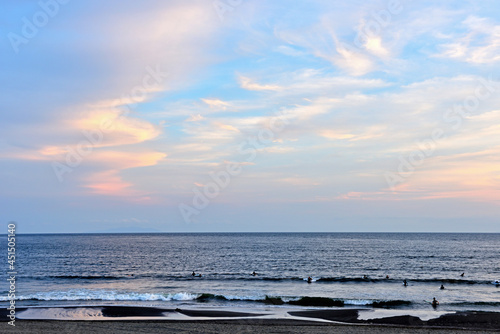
{"x":230,"y":297}
{"x":360,"y":302}
{"x":106,"y":295}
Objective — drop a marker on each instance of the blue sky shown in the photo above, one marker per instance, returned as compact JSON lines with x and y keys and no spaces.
{"x":250,"y":116}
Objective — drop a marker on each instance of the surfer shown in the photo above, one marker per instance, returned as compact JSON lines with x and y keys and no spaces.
{"x":434,"y":303}
{"x":462,"y":274}
{"x":386,"y":276}
{"x":405,"y":283}
{"x":193,"y":274}
{"x":442,"y":287}
{"x":309,"y":279}
{"x":254,"y":274}
{"x":365,"y":277}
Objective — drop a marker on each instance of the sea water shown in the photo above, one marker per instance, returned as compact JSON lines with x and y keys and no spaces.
{"x":347,"y":270}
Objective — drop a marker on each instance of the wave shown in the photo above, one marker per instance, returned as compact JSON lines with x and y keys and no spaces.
{"x":450,"y":281}
{"x":351,"y":279}
{"x":317,"y":301}
{"x":87,"y":277}
{"x":88,"y":295}
{"x":392,"y":280}
{"x":496,"y":304}
{"x":329,"y":302}
{"x":76,"y":277}
{"x":306,"y":301}
{"x":109,"y":295}
{"x":239,"y":277}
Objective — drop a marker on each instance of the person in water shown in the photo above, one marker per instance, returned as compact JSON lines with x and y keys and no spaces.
{"x":365,"y":277}
{"x":386,"y":276}
{"x":199,"y":275}
{"x":193,"y":274}
{"x":462,"y":274}
{"x":442,"y":287}
{"x":405,"y":283}
{"x":254,"y":274}
{"x":434,"y":303}
{"x":309,"y":279}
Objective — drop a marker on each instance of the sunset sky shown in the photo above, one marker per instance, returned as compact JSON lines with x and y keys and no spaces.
{"x":250,"y":115}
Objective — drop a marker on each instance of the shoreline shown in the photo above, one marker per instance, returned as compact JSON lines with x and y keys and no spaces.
{"x":419,"y":320}
{"x":254,"y":326}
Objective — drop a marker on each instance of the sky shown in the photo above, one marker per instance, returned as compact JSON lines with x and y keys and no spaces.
{"x":250,"y":116}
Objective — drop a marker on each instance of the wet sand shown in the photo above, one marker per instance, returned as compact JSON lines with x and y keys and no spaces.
{"x":253,"y":326}
{"x":470,"y":320}
{"x":131,"y":319}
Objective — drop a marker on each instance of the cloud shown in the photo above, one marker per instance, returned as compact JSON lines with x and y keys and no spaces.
{"x":349,"y":107}
{"x":216,"y":104}
{"x":109,"y":182}
{"x":330,"y":134}
{"x":242,"y":163}
{"x":474,"y":176}
{"x":479,"y":45}
{"x":249,"y":84}
{"x":351,"y":61}
{"x":374,"y":45}
{"x":322,"y":41}
{"x":116,"y":128}
{"x":195,"y":118}
{"x":278,"y":149}
{"x":226,"y":127}
{"x":298,"y":181}
{"x":192,"y":147}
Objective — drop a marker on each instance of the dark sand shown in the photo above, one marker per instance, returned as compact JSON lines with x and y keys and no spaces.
{"x":215,"y":314}
{"x":460,"y":322}
{"x":217,"y":326}
{"x":470,"y":320}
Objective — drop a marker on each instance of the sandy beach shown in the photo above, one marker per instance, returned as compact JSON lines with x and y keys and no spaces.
{"x":129,"y":319}
{"x":216,"y":326}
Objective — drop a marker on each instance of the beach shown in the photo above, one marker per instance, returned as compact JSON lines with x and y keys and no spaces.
{"x":120,"y":319}
{"x":223,"y":327}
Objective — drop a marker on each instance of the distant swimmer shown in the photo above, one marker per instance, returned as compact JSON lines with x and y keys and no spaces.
{"x":405,"y":283}
{"x":434,"y":303}
{"x":442,"y":287}
{"x":365,"y":277}
{"x":386,"y":276}
{"x":462,"y":274}
{"x":193,"y":274}
{"x":199,"y":275}
{"x":309,"y":279}
{"x":254,"y":274}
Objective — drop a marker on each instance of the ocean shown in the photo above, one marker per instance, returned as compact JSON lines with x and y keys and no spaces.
{"x":347,"y":270}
